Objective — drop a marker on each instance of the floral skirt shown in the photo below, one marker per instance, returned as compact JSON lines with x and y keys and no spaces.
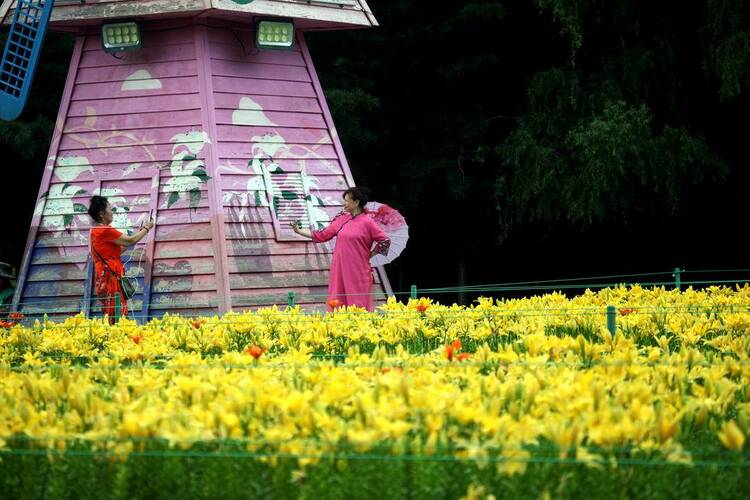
{"x":107,"y":286}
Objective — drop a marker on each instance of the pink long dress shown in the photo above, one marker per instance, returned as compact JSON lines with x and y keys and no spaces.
{"x":350,"y":278}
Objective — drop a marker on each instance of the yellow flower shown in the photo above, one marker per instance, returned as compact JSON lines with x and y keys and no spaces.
{"x":731,"y":436}
{"x":667,"y":428}
{"x":475,"y":492}
{"x":513,"y":461}
{"x":589,"y":459}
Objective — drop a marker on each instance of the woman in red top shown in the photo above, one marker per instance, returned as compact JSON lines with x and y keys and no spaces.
{"x":106,"y":245}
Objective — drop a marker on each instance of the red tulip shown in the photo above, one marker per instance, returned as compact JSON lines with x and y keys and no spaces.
{"x":453,"y":348}
{"x":333,"y":303}
{"x":254,"y":351}
{"x":449,"y":352}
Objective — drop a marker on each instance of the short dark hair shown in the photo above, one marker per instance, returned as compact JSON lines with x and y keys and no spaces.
{"x":359,"y":194}
{"x":97,"y":205}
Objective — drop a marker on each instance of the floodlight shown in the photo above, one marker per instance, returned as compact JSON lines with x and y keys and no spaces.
{"x":118,"y":37}
{"x":274,"y":34}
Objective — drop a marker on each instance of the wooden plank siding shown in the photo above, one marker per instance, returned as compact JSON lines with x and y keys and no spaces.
{"x":188,"y":127}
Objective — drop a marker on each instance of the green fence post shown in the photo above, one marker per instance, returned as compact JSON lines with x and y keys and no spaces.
{"x":290,"y":299}
{"x":414,"y":291}
{"x":611,"y":319}
{"x":677,"y":281}
{"x":118,"y":307}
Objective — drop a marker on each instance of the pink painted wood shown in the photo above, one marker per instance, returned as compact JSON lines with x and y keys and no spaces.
{"x":214,"y":184}
{"x":19,"y":301}
{"x":182,"y":128}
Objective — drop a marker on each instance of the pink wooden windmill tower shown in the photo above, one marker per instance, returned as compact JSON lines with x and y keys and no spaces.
{"x":224,"y":141}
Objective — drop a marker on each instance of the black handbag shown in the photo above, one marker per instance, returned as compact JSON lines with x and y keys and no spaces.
{"x":128,"y":285}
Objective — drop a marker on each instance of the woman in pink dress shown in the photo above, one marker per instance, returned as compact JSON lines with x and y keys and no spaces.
{"x":358,"y":238}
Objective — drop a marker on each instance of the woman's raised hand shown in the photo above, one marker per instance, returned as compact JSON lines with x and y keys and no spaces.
{"x":297,"y":228}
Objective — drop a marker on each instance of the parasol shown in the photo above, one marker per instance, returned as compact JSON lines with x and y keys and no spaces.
{"x":395,"y":227}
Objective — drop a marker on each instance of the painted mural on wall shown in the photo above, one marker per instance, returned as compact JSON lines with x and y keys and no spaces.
{"x":266,"y":150}
{"x":57,"y":208}
{"x":188,"y":171}
{"x":139,"y":134}
{"x":63,"y":207}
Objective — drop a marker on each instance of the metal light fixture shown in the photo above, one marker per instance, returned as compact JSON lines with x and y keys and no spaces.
{"x":274,"y":34}
{"x":118,"y":37}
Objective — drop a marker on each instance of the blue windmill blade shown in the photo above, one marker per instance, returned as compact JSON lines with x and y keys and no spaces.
{"x":21,"y":54}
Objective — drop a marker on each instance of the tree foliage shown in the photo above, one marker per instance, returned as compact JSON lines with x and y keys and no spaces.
{"x":584,"y":154}
{"x":25,"y":142}
{"x":606,"y":135}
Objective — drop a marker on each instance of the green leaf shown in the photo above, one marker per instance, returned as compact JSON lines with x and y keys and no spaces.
{"x":276,"y":202}
{"x":67,"y":220}
{"x":44,"y":194}
{"x":258,"y":201}
{"x":65,"y":186}
{"x":195,"y":198}
{"x":174,"y":196}
{"x":289,"y":195}
{"x":80,"y":208}
{"x":81,"y":192}
{"x":275,"y":169}
{"x":201,"y":174}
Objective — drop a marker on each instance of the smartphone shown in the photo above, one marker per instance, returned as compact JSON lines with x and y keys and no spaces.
{"x":150,"y":214}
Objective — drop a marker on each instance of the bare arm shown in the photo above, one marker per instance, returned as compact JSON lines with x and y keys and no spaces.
{"x":297,"y":228}
{"x":128,"y":240}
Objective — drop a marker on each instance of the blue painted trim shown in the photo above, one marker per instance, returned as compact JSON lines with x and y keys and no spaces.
{"x":21,"y":54}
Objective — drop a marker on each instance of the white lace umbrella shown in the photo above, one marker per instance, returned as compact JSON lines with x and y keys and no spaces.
{"x":393,"y":225}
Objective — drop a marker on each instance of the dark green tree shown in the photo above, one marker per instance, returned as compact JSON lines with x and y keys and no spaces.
{"x":608,"y":134}
{"x":25,"y":142}
{"x":419,"y":104}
